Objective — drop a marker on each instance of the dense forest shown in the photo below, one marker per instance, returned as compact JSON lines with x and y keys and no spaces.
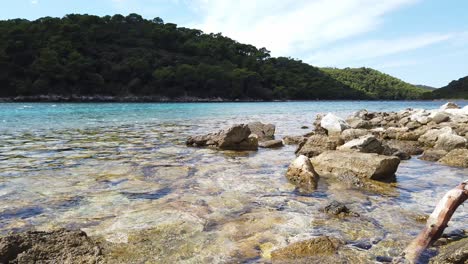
{"x":131,"y":56}
{"x":455,"y":89}
{"x":376,"y":84}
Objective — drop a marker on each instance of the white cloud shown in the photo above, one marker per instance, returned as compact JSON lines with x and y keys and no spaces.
{"x":290,"y":27}
{"x":371,"y":49}
{"x":34,"y":2}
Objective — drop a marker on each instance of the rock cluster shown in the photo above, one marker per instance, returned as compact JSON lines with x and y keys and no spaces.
{"x":237,"y":137}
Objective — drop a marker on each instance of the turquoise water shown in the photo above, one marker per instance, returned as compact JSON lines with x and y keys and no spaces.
{"x":34,"y":116}
{"x":123,"y":173}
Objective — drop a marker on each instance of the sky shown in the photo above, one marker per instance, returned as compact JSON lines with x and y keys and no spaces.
{"x":418,"y":41}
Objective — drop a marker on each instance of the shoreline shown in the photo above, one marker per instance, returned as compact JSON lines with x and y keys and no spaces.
{"x":162,"y":99}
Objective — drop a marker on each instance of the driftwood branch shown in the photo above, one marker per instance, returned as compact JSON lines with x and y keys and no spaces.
{"x":436,"y":223}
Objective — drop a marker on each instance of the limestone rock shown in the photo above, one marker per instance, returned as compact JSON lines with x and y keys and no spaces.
{"x":333,"y":124}
{"x":456,"y":157}
{"x":449,"y":105}
{"x":453,"y":253}
{"x":271,"y":144}
{"x":410,"y":147}
{"x":294,"y":140}
{"x":362,"y":165}
{"x":430,"y":137}
{"x":350,"y":134}
{"x":263,"y":131}
{"x":317,"y":144}
{"x":237,"y":137}
{"x":433,"y":154}
{"x":449,"y":141}
{"x":366,"y":144}
{"x":440,"y":117}
{"x":301,"y":173}
{"x":301,"y":250}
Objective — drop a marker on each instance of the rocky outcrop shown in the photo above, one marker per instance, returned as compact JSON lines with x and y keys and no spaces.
{"x":317,"y":144}
{"x":59,"y":246}
{"x":440,"y":117}
{"x":301,"y":173}
{"x":263,"y":131}
{"x":302,"y":250}
{"x":366,"y":144}
{"x":362,"y":165}
{"x":430,"y":137}
{"x":271,"y":144}
{"x":456,"y":157}
{"x":237,"y":137}
{"x":333,"y":124}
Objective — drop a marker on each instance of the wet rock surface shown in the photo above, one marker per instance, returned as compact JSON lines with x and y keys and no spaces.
{"x":307,"y":250}
{"x":59,"y":246}
{"x":453,"y":253}
{"x":271,"y":144}
{"x":263,"y":131}
{"x":338,"y":209}
{"x":301,"y":173}
{"x":237,"y":137}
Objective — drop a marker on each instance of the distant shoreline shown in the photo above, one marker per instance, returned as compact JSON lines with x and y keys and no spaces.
{"x":161,"y":99}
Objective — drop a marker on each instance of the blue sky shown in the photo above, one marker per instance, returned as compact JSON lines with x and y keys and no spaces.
{"x":419,"y":41}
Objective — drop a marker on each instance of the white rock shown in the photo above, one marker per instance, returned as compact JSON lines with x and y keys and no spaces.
{"x":333,"y":124}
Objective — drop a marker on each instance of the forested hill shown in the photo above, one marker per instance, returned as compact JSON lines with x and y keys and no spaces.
{"x":376,"y":84}
{"x":454,"y":90}
{"x":131,"y":56}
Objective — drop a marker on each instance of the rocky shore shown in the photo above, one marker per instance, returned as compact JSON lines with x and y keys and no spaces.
{"x":362,"y":152}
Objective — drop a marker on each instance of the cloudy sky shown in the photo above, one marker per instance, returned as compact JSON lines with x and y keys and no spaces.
{"x":419,"y":41}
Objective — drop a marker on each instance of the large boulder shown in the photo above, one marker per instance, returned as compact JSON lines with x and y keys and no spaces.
{"x":301,"y":173}
{"x":449,"y":141}
{"x":456,"y":157}
{"x":440,"y":117}
{"x":317,"y":144}
{"x":362,"y":165}
{"x":350,"y":134}
{"x":333,"y":124}
{"x":366,"y":144}
{"x":237,"y":137}
{"x":263,"y":131}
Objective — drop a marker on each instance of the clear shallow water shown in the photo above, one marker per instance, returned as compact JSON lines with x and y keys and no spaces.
{"x":121,"y":171}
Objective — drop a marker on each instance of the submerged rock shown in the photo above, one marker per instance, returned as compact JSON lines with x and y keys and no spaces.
{"x":301,"y":173}
{"x":433,"y":154}
{"x":456,"y":157}
{"x":362,"y":165}
{"x":302,"y":250}
{"x":59,"y":246}
{"x":237,"y":137}
{"x":454,"y":253}
{"x":271,"y":144}
{"x":263,"y":131}
{"x":333,"y":124}
{"x":338,"y":209}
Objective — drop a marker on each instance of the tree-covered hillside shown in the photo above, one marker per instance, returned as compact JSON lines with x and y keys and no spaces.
{"x":128,"y":55}
{"x":375,"y":84}
{"x":454,"y":90}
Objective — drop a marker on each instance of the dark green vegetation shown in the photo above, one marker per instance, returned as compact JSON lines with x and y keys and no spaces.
{"x":131,"y":56}
{"x":376,"y":84}
{"x":455,"y":89}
